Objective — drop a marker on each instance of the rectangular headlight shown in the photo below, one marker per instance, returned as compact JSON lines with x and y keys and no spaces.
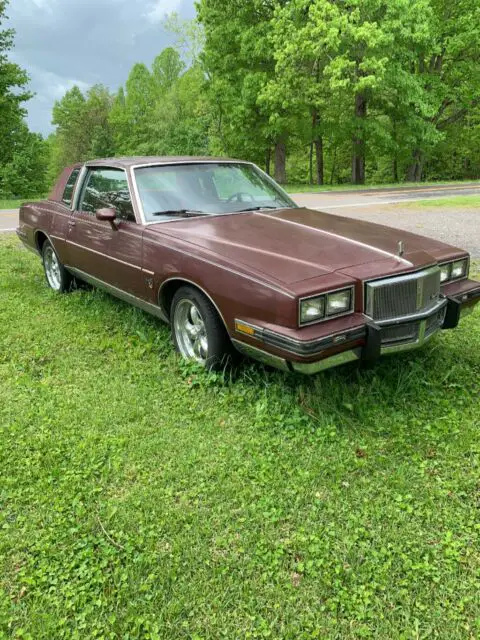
{"x":453,"y":270}
{"x":327,"y":305}
{"x":445,"y":272}
{"x":459,"y":268}
{"x":339,"y":302}
{"x":312,"y":309}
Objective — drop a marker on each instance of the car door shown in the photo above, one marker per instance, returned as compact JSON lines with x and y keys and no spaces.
{"x":110,"y":253}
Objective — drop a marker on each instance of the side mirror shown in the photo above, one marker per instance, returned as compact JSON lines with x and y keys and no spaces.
{"x":107,"y":215}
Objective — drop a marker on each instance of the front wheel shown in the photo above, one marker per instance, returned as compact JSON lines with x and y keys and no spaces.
{"x":198,"y":331}
{"x":57,"y":276}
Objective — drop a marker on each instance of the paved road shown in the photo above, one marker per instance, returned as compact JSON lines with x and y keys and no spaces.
{"x":456,"y":225}
{"x":365,"y":198}
{"x":8,"y":220}
{"x":453,"y":224}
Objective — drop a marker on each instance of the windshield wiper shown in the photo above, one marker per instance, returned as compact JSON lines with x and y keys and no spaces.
{"x":256,"y":208}
{"x":178,"y":212}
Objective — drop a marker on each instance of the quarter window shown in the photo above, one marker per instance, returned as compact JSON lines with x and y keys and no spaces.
{"x":69,"y":187}
{"x":106,"y":188}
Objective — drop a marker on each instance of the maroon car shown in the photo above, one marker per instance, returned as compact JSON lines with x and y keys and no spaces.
{"x":217,"y":249}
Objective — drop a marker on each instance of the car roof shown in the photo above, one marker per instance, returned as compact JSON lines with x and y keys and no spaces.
{"x":131,"y":161}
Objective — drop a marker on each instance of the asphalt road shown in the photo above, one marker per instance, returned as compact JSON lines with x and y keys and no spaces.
{"x":456,"y":225}
{"x":453,"y":224}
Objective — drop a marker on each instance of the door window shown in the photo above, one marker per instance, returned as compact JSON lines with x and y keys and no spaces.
{"x":107,"y":188}
{"x":68,"y":192}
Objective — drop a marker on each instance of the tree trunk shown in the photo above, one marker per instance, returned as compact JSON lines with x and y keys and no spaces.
{"x":280,"y":162}
{"x":268,"y":158}
{"x":395,"y":170}
{"x":334,"y":165}
{"x":358,"y":153}
{"x":415,"y":170}
{"x":320,"y":164}
{"x":310,"y":166}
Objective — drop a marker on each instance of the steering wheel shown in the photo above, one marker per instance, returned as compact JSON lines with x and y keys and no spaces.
{"x":239,"y":197}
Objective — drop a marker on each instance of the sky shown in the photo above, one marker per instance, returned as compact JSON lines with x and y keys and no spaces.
{"x":84,"y":42}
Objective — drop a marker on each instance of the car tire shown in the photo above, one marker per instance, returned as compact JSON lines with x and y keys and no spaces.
{"x":56,"y":275}
{"x":198,"y":332}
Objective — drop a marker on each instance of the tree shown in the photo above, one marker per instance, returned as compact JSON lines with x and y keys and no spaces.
{"x":72,"y":132}
{"x":239,"y":63}
{"x":166,"y":69}
{"x":26,"y":172}
{"x":13,"y":92}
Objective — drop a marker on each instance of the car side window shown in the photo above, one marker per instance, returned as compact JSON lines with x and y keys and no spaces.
{"x":107,"y":188}
{"x":69,"y":187}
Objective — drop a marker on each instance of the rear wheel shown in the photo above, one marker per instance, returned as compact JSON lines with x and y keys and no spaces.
{"x":198,"y":331}
{"x":57,"y":276}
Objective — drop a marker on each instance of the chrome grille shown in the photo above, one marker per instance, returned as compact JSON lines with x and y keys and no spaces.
{"x":402,"y":295}
{"x":400,"y":333}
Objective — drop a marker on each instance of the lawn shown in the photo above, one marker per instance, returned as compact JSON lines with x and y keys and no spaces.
{"x":316,"y":188}
{"x":17,"y":203}
{"x":452,"y":201}
{"x":143,"y":498}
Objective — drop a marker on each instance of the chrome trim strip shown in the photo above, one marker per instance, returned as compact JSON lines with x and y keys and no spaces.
{"x":391,"y":322}
{"x":195,"y":285}
{"x":310,"y":368}
{"x":99,"y":253}
{"x":118,"y":293}
{"x":303,"y":347}
{"x":326,"y":293}
{"x":260,"y":355}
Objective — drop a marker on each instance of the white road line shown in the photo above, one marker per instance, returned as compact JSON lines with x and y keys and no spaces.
{"x":13,"y":229}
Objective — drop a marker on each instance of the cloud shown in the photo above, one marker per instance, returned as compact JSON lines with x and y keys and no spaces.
{"x":85,"y":42}
{"x":161,"y":8}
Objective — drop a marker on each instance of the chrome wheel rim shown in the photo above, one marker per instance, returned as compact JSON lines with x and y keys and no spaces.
{"x":190,"y":331}
{"x":52,"y":269}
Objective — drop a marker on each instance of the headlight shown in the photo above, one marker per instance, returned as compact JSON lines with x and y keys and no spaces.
{"x":459,"y":268}
{"x":445,"y":272}
{"x":326,"y":305}
{"x":453,"y":270}
{"x":339,"y":302}
{"x":312,"y":309}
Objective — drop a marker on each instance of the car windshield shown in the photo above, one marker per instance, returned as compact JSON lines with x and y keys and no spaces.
{"x":209,"y":188}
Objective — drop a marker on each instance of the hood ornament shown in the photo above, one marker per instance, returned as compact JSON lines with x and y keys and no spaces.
{"x":401,"y":248}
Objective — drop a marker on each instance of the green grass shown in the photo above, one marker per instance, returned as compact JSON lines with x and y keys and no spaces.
{"x":17,"y":203}
{"x":143,"y":498}
{"x":315,"y":188}
{"x":451,"y":201}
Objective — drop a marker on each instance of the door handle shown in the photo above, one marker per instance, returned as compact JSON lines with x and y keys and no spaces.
{"x":71,"y":223}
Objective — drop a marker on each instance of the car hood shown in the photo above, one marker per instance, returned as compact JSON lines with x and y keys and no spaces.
{"x":291,"y":245}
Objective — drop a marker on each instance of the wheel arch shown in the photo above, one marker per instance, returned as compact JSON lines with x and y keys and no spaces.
{"x":168,"y":289}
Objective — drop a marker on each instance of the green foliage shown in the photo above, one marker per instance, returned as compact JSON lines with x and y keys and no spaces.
{"x":23,"y":155}
{"x":143,"y":498}
{"x":26,"y":172}
{"x":82,"y":127}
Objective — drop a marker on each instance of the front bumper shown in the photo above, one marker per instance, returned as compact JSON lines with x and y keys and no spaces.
{"x":369,"y":342}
